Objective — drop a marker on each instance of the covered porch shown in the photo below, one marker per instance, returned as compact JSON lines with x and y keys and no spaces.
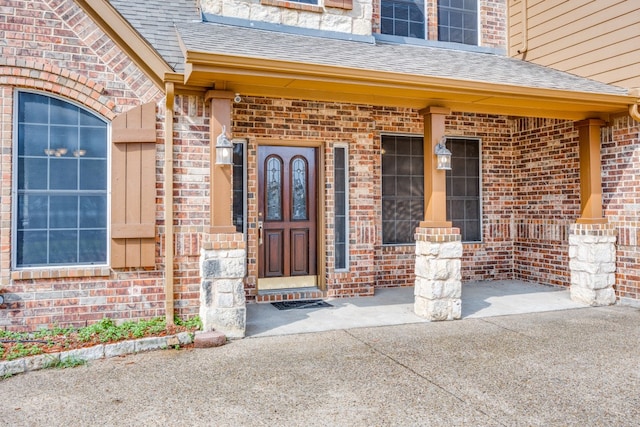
{"x":394,"y":306}
{"x":433,"y":84}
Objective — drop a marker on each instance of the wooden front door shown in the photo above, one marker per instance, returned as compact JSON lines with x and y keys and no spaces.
{"x":286,"y":217}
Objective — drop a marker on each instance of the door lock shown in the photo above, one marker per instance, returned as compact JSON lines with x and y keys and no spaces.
{"x":260,"y":232}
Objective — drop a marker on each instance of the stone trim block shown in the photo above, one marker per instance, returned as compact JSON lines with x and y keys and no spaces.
{"x":222,"y":298}
{"x":438,"y":285}
{"x":592,"y":263}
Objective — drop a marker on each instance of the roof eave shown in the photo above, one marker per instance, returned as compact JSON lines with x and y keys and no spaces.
{"x":269,"y":77}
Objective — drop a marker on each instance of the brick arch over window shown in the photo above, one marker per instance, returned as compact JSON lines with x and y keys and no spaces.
{"x":49,"y":78}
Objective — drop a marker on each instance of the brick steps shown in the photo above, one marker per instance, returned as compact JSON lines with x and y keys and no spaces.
{"x":294,"y":294}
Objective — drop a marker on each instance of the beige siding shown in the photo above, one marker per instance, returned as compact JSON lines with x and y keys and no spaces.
{"x":598,"y":39}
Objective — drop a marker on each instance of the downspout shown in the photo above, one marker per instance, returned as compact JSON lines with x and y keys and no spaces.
{"x":168,"y":203}
{"x":633,"y":109}
{"x":525,"y":28}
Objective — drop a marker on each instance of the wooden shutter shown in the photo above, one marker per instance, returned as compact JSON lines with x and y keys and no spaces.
{"x":133,"y":188}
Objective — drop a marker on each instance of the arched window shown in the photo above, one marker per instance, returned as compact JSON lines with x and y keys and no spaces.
{"x":60,"y":183}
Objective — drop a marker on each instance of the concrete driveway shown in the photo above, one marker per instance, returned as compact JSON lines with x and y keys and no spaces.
{"x":575,"y":367}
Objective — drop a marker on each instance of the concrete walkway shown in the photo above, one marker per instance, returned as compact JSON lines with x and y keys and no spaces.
{"x":394,"y":306}
{"x":577,"y":367}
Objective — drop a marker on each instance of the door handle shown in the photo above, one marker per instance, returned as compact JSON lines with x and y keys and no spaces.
{"x":260,"y":228}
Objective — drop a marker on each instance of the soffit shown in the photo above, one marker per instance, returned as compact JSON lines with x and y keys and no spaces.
{"x":270,"y":63}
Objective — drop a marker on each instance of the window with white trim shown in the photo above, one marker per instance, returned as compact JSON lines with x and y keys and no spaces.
{"x":457,"y":20}
{"x":341,"y":194}
{"x":60,"y":184}
{"x":240,"y":185}
{"x":403,"y":188}
{"x":463,"y":188}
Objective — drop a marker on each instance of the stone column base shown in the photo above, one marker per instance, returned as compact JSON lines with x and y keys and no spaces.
{"x":222,"y":300}
{"x":592,"y":262}
{"x":438,"y":288}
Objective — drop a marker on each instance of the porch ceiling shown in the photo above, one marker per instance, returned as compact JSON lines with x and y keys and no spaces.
{"x":266,"y":63}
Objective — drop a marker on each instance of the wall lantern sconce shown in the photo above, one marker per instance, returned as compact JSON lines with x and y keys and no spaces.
{"x":443,"y":155}
{"x":224,"y":149}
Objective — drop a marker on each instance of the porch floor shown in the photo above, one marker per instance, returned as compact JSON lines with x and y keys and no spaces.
{"x":394,"y":306}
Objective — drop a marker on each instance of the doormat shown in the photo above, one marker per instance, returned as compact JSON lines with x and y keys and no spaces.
{"x":291,"y":305}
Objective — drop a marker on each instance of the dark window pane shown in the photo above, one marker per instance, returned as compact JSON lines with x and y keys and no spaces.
{"x":32,"y":212}
{"x":389,"y":232}
{"x":33,"y":108}
{"x":340,"y":194}
{"x":93,"y":174}
{"x":404,"y":165}
{"x":386,"y":26}
{"x":37,"y":136}
{"x":417,"y":187}
{"x":473,"y":187}
{"x":417,"y":166}
{"x":63,"y":212}
{"x":388,"y":209}
{"x":388,"y":186}
{"x":63,"y":247}
{"x":299,"y":189}
{"x":401,"y":29}
{"x":92,"y":142}
{"x":340,"y":228}
{"x":470,"y":37}
{"x":402,"y":11}
{"x":274,"y":189}
{"x":93,"y":212}
{"x":457,"y":209}
{"x":32,"y":174}
{"x":238,"y":187}
{"x":389,"y":164}
{"x":405,"y":230}
{"x":63,"y":139}
{"x":93,"y":246}
{"x":63,"y":113}
{"x":31,"y":248}
{"x":88,"y":119}
{"x":63,"y":174}
{"x":403,"y":189}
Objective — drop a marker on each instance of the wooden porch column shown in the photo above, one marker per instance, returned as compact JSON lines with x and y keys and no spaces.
{"x":435,"y":185}
{"x":590,"y":172}
{"x":220,"y":185}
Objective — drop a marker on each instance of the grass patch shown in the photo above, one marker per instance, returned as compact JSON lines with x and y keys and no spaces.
{"x":67,"y":362}
{"x":14,"y":345}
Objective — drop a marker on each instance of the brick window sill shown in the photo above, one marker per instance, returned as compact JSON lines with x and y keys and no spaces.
{"x":293,"y":5}
{"x":61,"y":273}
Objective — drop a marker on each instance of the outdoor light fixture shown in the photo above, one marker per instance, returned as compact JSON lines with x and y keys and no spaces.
{"x":224,"y":149}
{"x":444,"y":155}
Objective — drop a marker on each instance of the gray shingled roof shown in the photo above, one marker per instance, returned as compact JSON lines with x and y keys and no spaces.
{"x":155,"y":20}
{"x":396,"y":58}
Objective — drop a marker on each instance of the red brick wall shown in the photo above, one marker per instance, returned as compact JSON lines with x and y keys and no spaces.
{"x":372,"y":264}
{"x":190,"y":197}
{"x":491,"y":259}
{"x":53,"y":47}
{"x":547,"y":198}
{"x":621,"y":200}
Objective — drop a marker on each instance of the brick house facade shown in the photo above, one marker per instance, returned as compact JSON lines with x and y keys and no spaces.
{"x":530,"y":170}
